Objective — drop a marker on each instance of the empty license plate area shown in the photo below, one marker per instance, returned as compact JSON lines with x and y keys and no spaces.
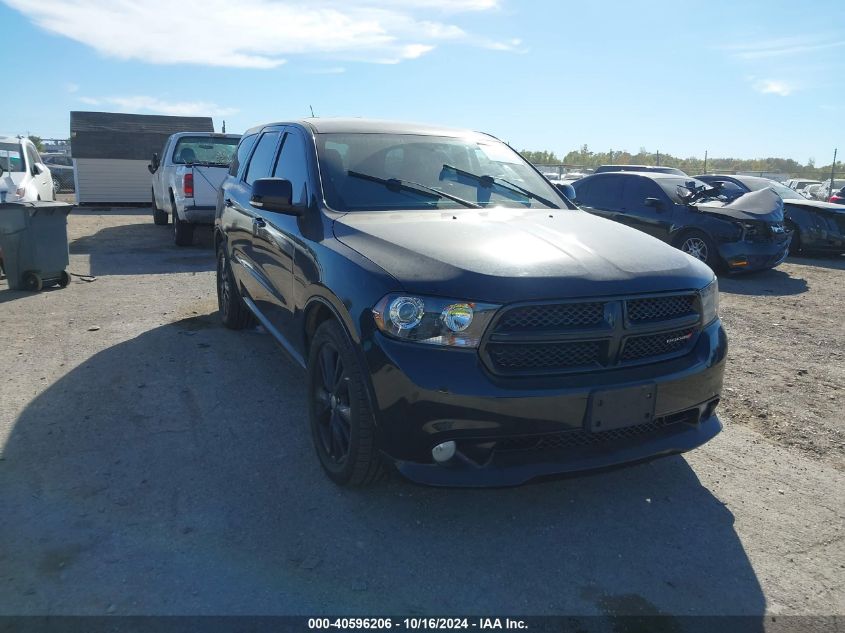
{"x":619,"y":408}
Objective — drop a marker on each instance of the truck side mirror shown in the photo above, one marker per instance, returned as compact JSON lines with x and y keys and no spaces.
{"x":154,"y":164}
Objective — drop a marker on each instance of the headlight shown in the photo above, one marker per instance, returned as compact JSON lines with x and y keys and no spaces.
{"x":432,"y":320}
{"x":709,"y":302}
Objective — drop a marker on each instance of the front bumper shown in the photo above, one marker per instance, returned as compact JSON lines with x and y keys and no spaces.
{"x":748,"y":256}
{"x":425,"y":395}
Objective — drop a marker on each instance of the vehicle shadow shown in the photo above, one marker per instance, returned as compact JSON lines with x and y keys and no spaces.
{"x":144,"y":248}
{"x":765,"y":282}
{"x":819,"y":260}
{"x":174,"y":474}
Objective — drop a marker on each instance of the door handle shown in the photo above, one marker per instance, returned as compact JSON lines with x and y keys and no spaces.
{"x":228,"y":202}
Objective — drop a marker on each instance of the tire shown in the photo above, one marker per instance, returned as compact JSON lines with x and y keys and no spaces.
{"x":341,"y":419}
{"x":795,"y":243}
{"x":32,"y":282}
{"x":64,"y":279}
{"x":183,"y":232}
{"x":699,"y":245}
{"x":161,"y":218}
{"x":233,"y":311}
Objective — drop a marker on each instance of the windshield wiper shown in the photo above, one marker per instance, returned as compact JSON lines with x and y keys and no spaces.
{"x":489,"y":181}
{"x":396,"y":185}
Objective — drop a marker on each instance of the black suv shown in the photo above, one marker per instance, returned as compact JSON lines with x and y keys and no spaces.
{"x":455,"y":315}
{"x":739,"y":233}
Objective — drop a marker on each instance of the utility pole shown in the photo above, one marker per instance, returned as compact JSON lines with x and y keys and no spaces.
{"x":705,"y":161}
{"x":832,"y":173}
{"x":658,"y":158}
{"x":610,"y":153}
{"x":224,"y":126}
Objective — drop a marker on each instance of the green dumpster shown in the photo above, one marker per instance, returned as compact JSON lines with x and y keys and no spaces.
{"x":33,"y":241}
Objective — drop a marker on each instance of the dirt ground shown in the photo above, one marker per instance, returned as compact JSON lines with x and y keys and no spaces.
{"x":786,"y":372}
{"x":153,"y":462}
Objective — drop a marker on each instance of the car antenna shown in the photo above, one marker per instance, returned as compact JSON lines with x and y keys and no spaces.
{"x":313,"y":116}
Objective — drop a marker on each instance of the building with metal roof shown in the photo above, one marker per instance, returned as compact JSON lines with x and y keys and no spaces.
{"x":111,"y":152}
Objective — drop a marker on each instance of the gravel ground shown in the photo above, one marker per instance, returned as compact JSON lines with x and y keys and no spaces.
{"x":152,"y":462}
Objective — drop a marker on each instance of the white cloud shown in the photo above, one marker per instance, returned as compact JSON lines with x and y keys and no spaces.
{"x":774,"y":86}
{"x":72,"y":87}
{"x":256,"y":33}
{"x":143,"y":103}
{"x":792,"y":46}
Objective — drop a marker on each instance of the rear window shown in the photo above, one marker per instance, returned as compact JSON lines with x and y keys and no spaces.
{"x":204,"y":150}
{"x":11,"y":157}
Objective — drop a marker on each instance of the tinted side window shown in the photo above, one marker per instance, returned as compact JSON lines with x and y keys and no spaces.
{"x":293,"y":165}
{"x":262,"y":159}
{"x":606,"y":192}
{"x":243,"y":151}
{"x":638,"y":189}
{"x":582,"y":190}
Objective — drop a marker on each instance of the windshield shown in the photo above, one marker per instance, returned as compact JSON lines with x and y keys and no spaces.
{"x":202,"y":149}
{"x":11,"y":157}
{"x":409,"y":171}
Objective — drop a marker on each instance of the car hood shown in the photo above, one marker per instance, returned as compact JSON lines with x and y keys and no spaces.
{"x":764,"y":204}
{"x":503,"y":255}
{"x":817,"y":205}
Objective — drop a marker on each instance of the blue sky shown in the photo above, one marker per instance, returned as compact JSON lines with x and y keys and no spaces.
{"x":741,"y":78}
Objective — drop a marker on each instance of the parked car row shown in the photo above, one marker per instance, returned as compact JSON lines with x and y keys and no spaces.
{"x":745,"y":233}
{"x":816,"y":226}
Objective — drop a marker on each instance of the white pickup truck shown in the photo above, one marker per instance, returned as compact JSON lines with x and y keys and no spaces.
{"x":186,"y":178}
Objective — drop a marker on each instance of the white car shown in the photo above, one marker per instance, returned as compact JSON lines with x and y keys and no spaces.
{"x":186,"y":178}
{"x":23,"y":175}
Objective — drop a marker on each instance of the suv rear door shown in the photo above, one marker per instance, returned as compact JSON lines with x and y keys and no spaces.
{"x":243,"y":217}
{"x":276,"y":234}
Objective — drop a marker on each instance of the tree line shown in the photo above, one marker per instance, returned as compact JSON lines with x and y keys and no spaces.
{"x":584,"y":157}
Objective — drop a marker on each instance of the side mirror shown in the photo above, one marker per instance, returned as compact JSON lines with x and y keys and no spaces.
{"x":655,"y":203}
{"x":567,"y":190}
{"x":274,"y":194}
{"x":36,"y":169}
{"x":154,"y":164}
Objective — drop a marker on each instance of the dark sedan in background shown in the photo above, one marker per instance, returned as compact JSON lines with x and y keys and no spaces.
{"x":816,"y":226}
{"x":744,"y":234}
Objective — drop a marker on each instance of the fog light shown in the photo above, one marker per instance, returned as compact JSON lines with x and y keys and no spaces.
{"x":444,"y":452}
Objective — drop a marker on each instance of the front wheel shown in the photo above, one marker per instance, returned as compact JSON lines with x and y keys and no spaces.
{"x":699,"y":245}
{"x":342,"y":421}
